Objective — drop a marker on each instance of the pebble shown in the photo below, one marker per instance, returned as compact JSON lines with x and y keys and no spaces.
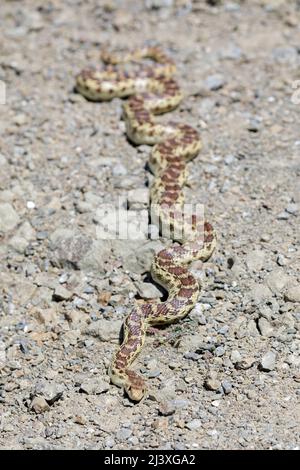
{"x":227,"y":387}
{"x":255,"y":260}
{"x":167,"y":408}
{"x":94,"y":386}
{"x":245,"y":363}
{"x":277,"y":280}
{"x":138,"y":198}
{"x":292,"y":294}
{"x":61,"y":293}
{"x":268,"y":361}
{"x":235,"y":356}
{"x":281,"y":260}
{"x":292,"y":208}
{"x":260,"y":293}
{"x":148,"y":291}
{"x":211,"y":382}
{"x":105,"y":330}
{"x":119,"y":170}
{"x":265,"y":327}
{"x":51,"y":391}
{"x":123,"y":434}
{"x":254,"y":124}
{"x":8,"y":217}
{"x":198,"y":314}
{"x":194,"y":424}
{"x":39,"y":405}
{"x":219,"y":351}
{"x":214,"y":82}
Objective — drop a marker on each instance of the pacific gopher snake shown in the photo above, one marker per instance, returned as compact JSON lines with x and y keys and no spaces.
{"x":152,"y":90}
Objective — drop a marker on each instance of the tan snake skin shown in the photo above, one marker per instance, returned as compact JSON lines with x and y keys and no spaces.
{"x":152,"y":90}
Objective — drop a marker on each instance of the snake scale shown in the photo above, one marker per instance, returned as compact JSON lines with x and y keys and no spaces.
{"x":152,"y":90}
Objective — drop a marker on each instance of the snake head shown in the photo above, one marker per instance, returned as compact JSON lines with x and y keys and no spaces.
{"x":135,"y":387}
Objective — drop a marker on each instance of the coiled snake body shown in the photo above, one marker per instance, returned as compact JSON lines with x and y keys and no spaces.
{"x":151,"y":91}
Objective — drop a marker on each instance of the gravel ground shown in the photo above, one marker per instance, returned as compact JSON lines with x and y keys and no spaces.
{"x":227,"y":377}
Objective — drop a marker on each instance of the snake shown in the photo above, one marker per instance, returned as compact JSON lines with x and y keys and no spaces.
{"x":151,"y":89}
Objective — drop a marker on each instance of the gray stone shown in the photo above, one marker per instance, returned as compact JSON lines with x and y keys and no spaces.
{"x":235,"y":356}
{"x":260,"y":293}
{"x":61,"y":293}
{"x":292,"y":208}
{"x":255,"y":260}
{"x":94,"y":386}
{"x":19,"y":244}
{"x":194,"y":424}
{"x":50,"y":391}
{"x":119,"y":170}
{"x":123,"y":434}
{"x":198,"y":315}
{"x":232,"y":52}
{"x":211,"y":382}
{"x":292,"y":294}
{"x":69,"y":247}
{"x":277,"y":280}
{"x":72,"y":249}
{"x":281,"y":260}
{"x":283,"y":216}
{"x":265,"y":327}
{"x":254,"y":124}
{"x":285,"y":54}
{"x":105,"y":330}
{"x":268,"y":361}
{"x":148,"y":291}
{"x":227,"y":387}
{"x":245,"y":363}
{"x":39,"y":405}
{"x":8,"y":217}
{"x":138,"y":198}
{"x":214,"y":82}
{"x":219,"y":351}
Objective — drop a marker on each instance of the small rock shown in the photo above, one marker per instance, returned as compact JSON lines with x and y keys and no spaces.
{"x":260,"y":293}
{"x":281,"y":260}
{"x":194,"y":424}
{"x":39,"y":405}
{"x":245,"y":363}
{"x":51,"y":392}
{"x":283,"y":216}
{"x":123,"y":434}
{"x":277,"y":280}
{"x":265,"y":237}
{"x":105,"y":330}
{"x":94,"y":386}
{"x":219,"y":351}
{"x":292,"y":294}
{"x":211,"y":382}
{"x":235,"y":356}
{"x":20,"y":119}
{"x":61,"y":293}
{"x":119,"y":170}
{"x":148,"y":291}
{"x":292,"y":208}
{"x":166,"y":408}
{"x":265,"y":327}
{"x":198,"y":314}
{"x":268,"y":361}
{"x":138,"y":198}
{"x":254,"y":124}
{"x":227,"y":387}
{"x":255,"y":260}
{"x":8,"y":217}
{"x":214,"y":82}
